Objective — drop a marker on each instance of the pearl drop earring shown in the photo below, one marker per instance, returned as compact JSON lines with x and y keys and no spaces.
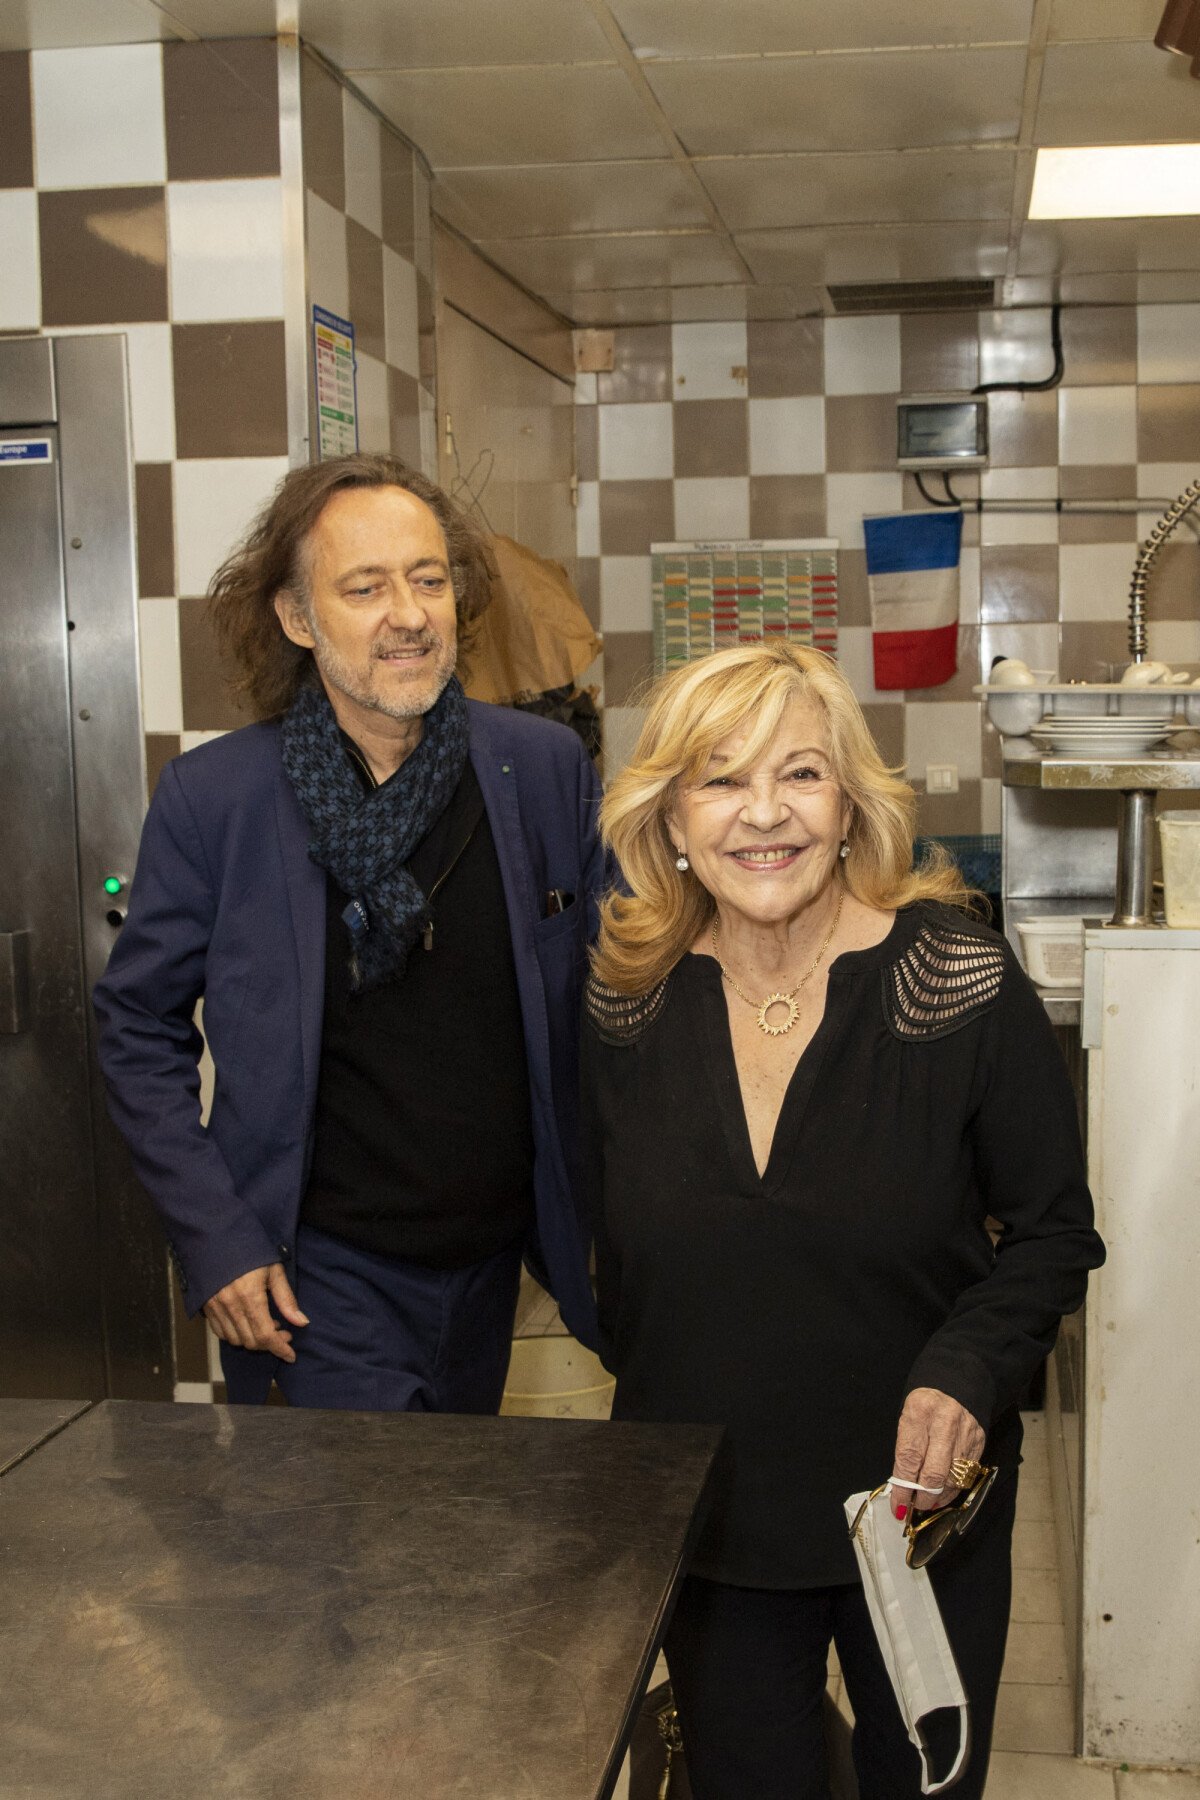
{"x":845,"y":849}
{"x":681,"y":862}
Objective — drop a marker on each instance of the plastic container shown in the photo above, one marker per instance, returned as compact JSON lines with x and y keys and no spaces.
{"x":1053,"y":950}
{"x":1180,"y":835}
{"x":556,"y":1378}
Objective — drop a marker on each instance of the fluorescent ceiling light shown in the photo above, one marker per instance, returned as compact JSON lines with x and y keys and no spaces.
{"x":1120,"y":181}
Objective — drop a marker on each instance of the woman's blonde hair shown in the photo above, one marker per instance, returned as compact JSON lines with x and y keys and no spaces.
{"x":644,"y":931}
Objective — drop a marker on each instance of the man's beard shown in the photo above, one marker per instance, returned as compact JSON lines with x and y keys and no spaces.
{"x":337,"y":673}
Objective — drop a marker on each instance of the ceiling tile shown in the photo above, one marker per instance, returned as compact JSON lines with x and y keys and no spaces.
{"x":555,"y":198}
{"x":487,"y":117}
{"x":714,"y":27}
{"x":426,"y":34}
{"x":1102,"y":246}
{"x":761,"y":192}
{"x":882,"y":253}
{"x":900,"y":100}
{"x":223,"y":18}
{"x":568,"y":263}
{"x":75,"y":24}
{"x":1082,"y":19}
{"x":1116,"y":93}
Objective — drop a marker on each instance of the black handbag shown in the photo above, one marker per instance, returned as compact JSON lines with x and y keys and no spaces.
{"x":657,"y":1770}
{"x":656,"y":1767}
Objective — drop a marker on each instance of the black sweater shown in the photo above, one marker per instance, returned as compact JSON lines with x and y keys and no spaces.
{"x":424,"y":1139}
{"x":798,"y":1309}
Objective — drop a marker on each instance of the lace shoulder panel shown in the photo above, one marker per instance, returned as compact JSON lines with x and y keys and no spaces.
{"x":947,"y":977}
{"x":622,"y":1018}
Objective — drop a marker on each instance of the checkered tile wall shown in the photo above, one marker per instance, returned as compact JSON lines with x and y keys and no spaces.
{"x":140,"y":190}
{"x":788,"y":429}
{"x":370,"y":259}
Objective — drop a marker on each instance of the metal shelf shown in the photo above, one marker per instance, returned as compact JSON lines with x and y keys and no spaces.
{"x":1152,"y":771}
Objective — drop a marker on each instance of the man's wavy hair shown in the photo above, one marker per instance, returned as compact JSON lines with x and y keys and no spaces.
{"x":273,"y":558}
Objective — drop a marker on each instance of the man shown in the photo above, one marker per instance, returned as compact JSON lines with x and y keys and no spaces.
{"x":383,"y":893}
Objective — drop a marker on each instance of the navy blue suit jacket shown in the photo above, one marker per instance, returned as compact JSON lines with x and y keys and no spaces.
{"x":227,"y":906}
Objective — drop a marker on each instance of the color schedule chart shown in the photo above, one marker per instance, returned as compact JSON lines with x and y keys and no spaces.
{"x":709,"y":596}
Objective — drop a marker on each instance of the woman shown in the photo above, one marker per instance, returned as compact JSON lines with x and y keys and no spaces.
{"x":809,"y":1080}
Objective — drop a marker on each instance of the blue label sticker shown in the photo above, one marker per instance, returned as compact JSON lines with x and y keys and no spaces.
{"x":26,"y":450}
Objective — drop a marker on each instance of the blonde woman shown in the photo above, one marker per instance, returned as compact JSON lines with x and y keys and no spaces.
{"x":810,"y":1076}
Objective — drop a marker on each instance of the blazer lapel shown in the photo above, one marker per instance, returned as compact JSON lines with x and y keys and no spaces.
{"x":306,"y":900}
{"x":497,"y":774}
{"x":496,"y":770}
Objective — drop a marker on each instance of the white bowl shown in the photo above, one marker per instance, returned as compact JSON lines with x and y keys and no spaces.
{"x":1016,"y":713}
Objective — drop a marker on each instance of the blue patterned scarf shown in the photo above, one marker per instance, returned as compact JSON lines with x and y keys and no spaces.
{"x":364,"y":840}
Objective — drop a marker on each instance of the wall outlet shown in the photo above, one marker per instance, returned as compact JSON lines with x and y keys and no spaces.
{"x":941,"y":778}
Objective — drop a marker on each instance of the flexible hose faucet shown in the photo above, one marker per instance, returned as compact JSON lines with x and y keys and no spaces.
{"x":1145,"y":562}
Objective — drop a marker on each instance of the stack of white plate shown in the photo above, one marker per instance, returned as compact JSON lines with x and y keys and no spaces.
{"x":1126,"y":734}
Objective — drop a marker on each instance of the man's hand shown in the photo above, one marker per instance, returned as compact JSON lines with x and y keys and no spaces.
{"x":241,"y":1313}
{"x":934,"y":1432}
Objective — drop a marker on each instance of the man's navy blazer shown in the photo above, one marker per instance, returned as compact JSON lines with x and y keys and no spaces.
{"x":227,"y":905}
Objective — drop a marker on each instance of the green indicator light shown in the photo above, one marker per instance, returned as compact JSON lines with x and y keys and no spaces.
{"x":113,"y":885}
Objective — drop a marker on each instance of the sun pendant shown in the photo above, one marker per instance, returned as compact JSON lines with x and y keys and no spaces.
{"x":778,"y":1000}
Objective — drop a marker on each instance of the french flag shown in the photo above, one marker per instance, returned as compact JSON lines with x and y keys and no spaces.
{"x":912,"y":573}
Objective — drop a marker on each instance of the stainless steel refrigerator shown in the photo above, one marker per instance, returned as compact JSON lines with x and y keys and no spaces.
{"x":84,"y":1308}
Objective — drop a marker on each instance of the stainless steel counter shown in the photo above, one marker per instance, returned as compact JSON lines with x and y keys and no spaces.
{"x":24,"y":1424}
{"x":259,"y":1602}
{"x":1025,"y":766}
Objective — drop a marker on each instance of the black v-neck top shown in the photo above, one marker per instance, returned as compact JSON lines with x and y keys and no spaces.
{"x":800,"y":1307}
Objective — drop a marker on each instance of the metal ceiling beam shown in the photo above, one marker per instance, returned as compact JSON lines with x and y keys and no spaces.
{"x":1039,"y":33}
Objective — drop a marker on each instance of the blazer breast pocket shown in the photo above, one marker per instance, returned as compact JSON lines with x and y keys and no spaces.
{"x":564,"y":924}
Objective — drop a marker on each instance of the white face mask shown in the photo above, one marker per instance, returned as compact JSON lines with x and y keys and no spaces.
{"x":916,"y":1651}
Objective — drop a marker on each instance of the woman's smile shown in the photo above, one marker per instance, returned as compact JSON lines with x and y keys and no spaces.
{"x":765,"y":858}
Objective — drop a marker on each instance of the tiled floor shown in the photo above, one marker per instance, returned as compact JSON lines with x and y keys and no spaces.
{"x":1031,"y":1753}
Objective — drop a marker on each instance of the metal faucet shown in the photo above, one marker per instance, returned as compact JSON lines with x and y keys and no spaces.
{"x":1135,"y":832}
{"x":1175,"y":513}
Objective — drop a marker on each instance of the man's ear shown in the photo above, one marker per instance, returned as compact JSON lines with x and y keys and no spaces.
{"x":294,"y":619}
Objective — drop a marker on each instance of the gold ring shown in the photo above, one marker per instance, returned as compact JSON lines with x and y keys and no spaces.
{"x":964,"y":1473}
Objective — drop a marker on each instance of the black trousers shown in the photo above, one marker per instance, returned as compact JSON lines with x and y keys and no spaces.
{"x":748,"y":1670}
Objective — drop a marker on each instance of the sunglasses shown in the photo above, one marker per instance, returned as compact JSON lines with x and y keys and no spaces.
{"x":930,"y":1532}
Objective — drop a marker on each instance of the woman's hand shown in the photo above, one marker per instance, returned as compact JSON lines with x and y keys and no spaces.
{"x":934,"y":1432}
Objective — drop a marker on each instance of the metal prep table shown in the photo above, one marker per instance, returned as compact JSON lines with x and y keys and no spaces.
{"x":260,"y":1602}
{"x":26,"y":1424}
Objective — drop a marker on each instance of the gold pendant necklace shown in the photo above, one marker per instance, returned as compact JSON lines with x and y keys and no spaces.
{"x":789,"y":999}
